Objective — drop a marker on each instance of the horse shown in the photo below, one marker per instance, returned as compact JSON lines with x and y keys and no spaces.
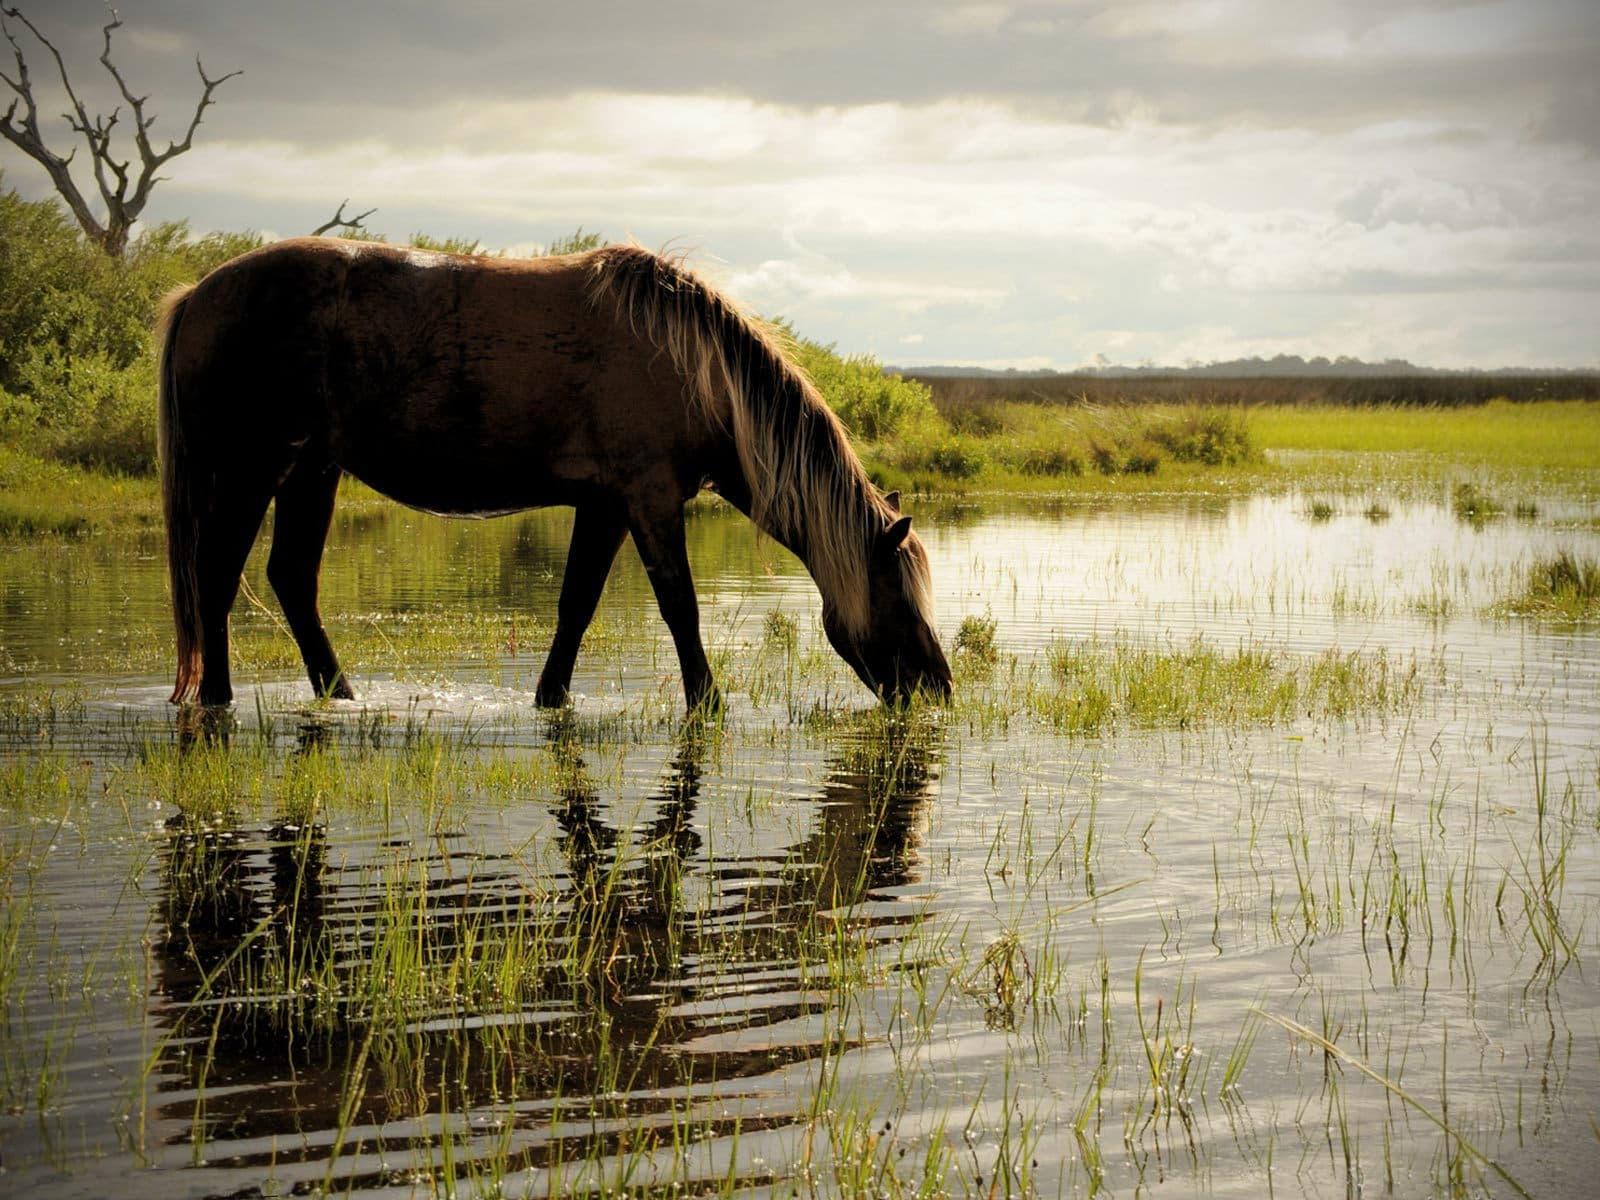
{"x":615,"y":381}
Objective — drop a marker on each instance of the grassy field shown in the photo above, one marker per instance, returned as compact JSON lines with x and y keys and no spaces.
{"x":1017,"y":447}
{"x":1543,"y":434}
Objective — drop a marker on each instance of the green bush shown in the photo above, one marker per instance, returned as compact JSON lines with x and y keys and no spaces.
{"x":980,"y":419}
{"x":1214,"y":436}
{"x":77,"y":370}
{"x":871,"y":404}
{"x":957,"y":459}
{"x":1050,"y":460}
{"x":1124,"y":457}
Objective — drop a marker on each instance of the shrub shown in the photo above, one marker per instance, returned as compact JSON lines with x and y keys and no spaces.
{"x":871,"y":404}
{"x":1210,"y":435}
{"x":1136,"y":457}
{"x":77,"y":370}
{"x":955,"y":459}
{"x":1050,"y":460}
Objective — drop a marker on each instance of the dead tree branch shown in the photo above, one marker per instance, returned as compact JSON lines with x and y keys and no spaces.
{"x":340,"y":221}
{"x":123,"y":188}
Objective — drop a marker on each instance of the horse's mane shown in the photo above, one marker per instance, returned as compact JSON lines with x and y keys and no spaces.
{"x":807,"y":487}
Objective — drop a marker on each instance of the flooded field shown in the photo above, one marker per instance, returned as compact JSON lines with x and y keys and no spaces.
{"x":1260,"y":852}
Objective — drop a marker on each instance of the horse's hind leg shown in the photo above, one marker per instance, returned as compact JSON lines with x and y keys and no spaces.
{"x":226,"y":531}
{"x":597,"y":533}
{"x":299,"y":530}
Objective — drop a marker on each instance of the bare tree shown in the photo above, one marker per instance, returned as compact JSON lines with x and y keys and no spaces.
{"x":123,"y":189}
{"x":340,"y":221}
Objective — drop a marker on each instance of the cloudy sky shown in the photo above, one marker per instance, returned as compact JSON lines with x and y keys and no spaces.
{"x":997,"y":184}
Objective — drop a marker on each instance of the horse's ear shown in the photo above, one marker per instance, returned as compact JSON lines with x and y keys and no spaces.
{"x":892,"y":499}
{"x":893,"y":537}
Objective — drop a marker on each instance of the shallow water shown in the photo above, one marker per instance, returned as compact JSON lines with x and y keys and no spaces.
{"x":814,"y":950}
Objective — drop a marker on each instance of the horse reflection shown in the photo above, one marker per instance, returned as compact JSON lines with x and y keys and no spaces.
{"x":644,"y":995}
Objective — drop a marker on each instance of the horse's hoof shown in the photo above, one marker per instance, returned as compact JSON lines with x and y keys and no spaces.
{"x":551,"y":696}
{"x":708,"y":705}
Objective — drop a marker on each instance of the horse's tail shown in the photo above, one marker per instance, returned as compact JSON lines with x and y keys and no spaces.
{"x":177,"y":500}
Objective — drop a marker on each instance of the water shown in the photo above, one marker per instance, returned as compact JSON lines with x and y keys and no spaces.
{"x":439,"y":939}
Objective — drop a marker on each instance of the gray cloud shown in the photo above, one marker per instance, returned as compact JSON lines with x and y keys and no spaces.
{"x":989,"y":182}
{"x":318,"y":71}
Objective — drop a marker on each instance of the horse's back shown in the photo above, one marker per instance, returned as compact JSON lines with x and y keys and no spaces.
{"x":450,"y":382}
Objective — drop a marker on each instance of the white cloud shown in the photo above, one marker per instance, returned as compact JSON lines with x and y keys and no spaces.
{"x":777,"y":284}
{"x":967,"y":19}
{"x":853,"y":220}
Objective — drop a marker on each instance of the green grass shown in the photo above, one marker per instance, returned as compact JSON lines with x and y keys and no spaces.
{"x":1099,"y":686}
{"x":43,"y":498}
{"x":1475,"y":506}
{"x":1541,"y":434}
{"x":1004,"y":446}
{"x":1056,"y":449}
{"x":1563,"y":587}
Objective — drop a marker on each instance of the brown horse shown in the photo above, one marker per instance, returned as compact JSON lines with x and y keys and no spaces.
{"x":614,"y":381}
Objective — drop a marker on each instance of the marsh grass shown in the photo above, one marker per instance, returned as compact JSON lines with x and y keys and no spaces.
{"x":1099,"y":686}
{"x":974,"y":645}
{"x":1017,"y":445}
{"x":423,"y":981}
{"x":1474,"y":506}
{"x":1563,"y":587}
{"x":40,"y":498}
{"x":818,"y":947}
{"x":36,"y":710}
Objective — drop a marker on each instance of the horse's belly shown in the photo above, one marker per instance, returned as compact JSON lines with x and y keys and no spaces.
{"x":446,"y":474}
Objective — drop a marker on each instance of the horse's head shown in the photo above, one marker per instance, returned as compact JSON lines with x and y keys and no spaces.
{"x":898,"y":653}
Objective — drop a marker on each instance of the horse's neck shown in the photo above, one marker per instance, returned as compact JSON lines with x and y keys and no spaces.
{"x":732,"y":486}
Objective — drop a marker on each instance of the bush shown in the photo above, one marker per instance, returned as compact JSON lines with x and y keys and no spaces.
{"x":954,"y":458}
{"x":871,"y":404}
{"x":985,"y":418}
{"x":1130,"y":457}
{"x":1050,"y":460}
{"x":1213,"y":436}
{"x":77,"y":370}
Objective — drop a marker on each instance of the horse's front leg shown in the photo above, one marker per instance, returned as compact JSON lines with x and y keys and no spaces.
{"x":658,"y":533}
{"x":597,"y":533}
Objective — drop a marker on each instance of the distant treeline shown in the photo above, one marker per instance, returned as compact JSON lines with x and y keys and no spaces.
{"x":953,"y":393}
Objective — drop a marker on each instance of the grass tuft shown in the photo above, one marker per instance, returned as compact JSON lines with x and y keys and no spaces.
{"x":1562,"y":587}
{"x":1474,"y":506}
{"x":1100,"y":686}
{"x":974,"y":641}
